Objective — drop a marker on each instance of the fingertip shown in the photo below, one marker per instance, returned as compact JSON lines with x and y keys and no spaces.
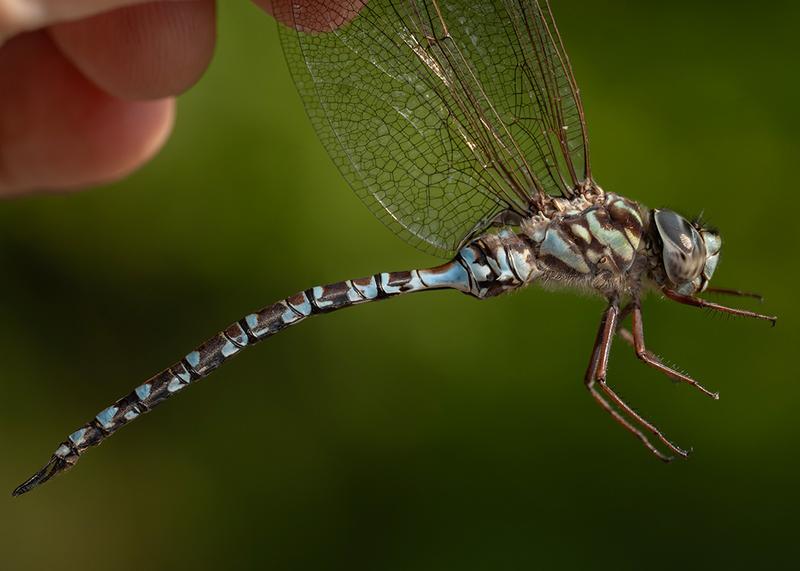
{"x":59,"y":131}
{"x":128,"y":136}
{"x":313,"y":16}
{"x":145,"y":51}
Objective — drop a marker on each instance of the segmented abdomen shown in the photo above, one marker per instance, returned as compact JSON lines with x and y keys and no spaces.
{"x":252,"y":328}
{"x":485,"y":267}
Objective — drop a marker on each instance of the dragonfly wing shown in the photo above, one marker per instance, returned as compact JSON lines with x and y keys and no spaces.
{"x":441,"y":116}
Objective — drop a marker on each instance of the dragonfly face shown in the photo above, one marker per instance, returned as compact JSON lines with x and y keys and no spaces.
{"x":713,"y":242}
{"x":689,"y":252}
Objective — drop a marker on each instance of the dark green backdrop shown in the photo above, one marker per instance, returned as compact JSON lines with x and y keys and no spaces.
{"x":431,"y":432}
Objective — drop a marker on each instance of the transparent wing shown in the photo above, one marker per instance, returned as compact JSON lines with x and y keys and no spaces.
{"x":441,"y":115}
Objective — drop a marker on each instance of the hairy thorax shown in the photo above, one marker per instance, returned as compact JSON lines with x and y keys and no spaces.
{"x":594,"y":242}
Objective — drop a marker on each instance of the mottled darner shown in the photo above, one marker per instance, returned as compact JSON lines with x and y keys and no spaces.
{"x":461,"y":126}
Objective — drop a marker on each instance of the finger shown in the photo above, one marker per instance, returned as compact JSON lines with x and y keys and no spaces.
{"x":21,"y":15}
{"x":58,"y":130}
{"x":313,"y":15}
{"x":142,"y":52}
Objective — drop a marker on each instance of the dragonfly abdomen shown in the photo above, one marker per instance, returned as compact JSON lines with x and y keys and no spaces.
{"x":485,"y":267}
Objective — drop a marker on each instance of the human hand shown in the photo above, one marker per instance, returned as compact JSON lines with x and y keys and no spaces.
{"x":87,"y":86}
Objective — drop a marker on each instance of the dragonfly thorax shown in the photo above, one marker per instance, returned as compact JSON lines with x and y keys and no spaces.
{"x":599,"y":242}
{"x":593,"y":242}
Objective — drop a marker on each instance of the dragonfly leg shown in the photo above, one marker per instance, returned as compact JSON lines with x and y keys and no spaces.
{"x":636,"y":340}
{"x":699,"y":302}
{"x":596,"y":375}
{"x":734,"y":292}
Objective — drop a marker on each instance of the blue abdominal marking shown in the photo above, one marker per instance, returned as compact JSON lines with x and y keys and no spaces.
{"x":499,"y":264}
{"x":454,"y":274}
{"x":143,"y":391}
{"x":353,"y":295}
{"x":77,"y":436}
{"x":193,"y":359}
{"x":229,"y":349}
{"x":175,"y":385}
{"x":318,"y":292}
{"x":303,"y":308}
{"x":106,"y":417}
{"x":62,"y":451}
{"x":290,"y":316}
{"x":180,"y":371}
{"x":369,"y":291}
{"x":237,"y":335}
{"x":481,"y":272}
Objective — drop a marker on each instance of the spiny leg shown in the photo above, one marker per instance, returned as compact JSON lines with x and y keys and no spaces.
{"x":596,"y":372}
{"x":636,"y":340}
{"x":641,"y":420}
{"x":627,"y":336}
{"x":699,"y":302}
{"x":601,"y":375}
{"x":734,"y":292}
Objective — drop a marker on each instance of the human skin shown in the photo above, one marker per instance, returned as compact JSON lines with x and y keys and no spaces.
{"x":87,"y":87}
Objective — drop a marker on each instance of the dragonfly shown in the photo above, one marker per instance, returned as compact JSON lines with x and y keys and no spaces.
{"x":460,"y":125}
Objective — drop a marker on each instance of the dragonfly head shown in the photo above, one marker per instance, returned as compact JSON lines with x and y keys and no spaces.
{"x":689,"y":252}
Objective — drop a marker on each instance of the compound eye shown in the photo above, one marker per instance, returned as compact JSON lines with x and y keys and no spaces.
{"x":684,"y":253}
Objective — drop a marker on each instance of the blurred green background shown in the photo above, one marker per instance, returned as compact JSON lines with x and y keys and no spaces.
{"x":430,"y":432}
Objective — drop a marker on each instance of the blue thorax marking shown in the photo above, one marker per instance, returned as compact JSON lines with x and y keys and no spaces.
{"x":610,"y":237}
{"x":554,"y":245}
{"x":581,"y":232}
